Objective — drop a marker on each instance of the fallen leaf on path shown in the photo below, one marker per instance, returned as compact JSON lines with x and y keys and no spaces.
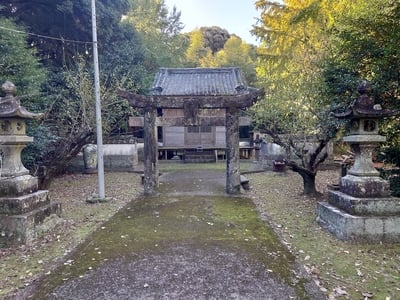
{"x":367,"y":295}
{"x":340,"y":292}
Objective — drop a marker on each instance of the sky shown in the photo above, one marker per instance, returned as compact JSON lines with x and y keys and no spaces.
{"x":236,"y":16}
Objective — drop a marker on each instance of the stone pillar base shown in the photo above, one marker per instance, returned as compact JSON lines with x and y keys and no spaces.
{"x":18,"y":185}
{"x":17,"y":229}
{"x":368,"y":187}
{"x":383,"y":206}
{"x":347,"y":227}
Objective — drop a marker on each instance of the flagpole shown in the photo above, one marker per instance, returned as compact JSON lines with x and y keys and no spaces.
{"x":99,"y":130}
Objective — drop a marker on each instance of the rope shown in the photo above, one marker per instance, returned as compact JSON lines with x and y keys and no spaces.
{"x":45,"y":36}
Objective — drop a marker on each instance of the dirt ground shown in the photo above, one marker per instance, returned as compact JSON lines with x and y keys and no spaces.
{"x":342,"y":271}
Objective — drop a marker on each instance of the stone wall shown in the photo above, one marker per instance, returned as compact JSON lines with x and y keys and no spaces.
{"x":115,"y":156}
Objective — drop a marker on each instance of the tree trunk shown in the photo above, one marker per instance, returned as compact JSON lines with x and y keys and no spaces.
{"x":310,"y":161}
{"x":62,"y":154}
{"x":307,"y":175}
{"x":309,"y":183}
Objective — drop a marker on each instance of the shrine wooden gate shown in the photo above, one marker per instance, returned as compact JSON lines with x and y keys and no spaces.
{"x":232,"y":102}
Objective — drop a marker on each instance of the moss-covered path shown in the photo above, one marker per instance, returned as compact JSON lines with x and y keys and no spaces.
{"x":189,"y":242}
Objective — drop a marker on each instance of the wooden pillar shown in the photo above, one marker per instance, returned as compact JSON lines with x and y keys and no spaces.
{"x":150,"y":152}
{"x":232,"y":151}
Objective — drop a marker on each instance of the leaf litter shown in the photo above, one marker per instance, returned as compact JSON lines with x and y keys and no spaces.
{"x":342,"y":270}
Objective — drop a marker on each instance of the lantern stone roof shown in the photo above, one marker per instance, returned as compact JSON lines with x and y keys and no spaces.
{"x":10,"y":106}
{"x":199,"y":82}
{"x":365,"y":105}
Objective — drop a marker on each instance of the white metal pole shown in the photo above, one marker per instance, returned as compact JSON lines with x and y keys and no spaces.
{"x":99,"y":129}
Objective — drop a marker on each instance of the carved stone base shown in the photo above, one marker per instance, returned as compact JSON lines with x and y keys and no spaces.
{"x":24,"y":228}
{"x":369,"y":187}
{"x":23,"y":218}
{"x":347,"y":227}
{"x":23,"y":204}
{"x":19,"y":185}
{"x":384,"y":206}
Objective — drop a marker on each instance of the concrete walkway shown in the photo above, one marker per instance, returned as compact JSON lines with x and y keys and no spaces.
{"x":189,"y":242}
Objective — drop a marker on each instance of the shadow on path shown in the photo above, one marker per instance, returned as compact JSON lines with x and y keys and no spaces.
{"x":189,"y":242}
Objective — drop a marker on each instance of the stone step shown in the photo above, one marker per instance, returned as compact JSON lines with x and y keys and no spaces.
{"x":199,"y":160}
{"x":347,"y":227}
{"x":199,"y":156}
{"x":24,"y":228}
{"x":23,"y":204}
{"x":384,"y":206}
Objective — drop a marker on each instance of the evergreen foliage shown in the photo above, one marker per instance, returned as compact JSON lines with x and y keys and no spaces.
{"x":18,"y":63}
{"x":70,"y":27}
{"x":160,"y":31}
{"x":365,"y":46}
{"x":67,"y":97}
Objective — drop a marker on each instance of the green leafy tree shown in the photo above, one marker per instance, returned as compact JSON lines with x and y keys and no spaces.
{"x":196,"y":50}
{"x":18,"y":63}
{"x":67,"y":97}
{"x":365,"y":47}
{"x":295,"y":38}
{"x":203,"y":46}
{"x":68,"y":22}
{"x":125,"y":63}
{"x":235,"y":53}
{"x":70,"y":121}
{"x":160,"y":30}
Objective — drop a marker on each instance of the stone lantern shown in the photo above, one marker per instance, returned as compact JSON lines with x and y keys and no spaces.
{"x":362,"y":209}
{"x":23,"y":208}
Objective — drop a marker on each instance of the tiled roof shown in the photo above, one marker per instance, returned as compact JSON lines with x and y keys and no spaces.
{"x":199,"y":81}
